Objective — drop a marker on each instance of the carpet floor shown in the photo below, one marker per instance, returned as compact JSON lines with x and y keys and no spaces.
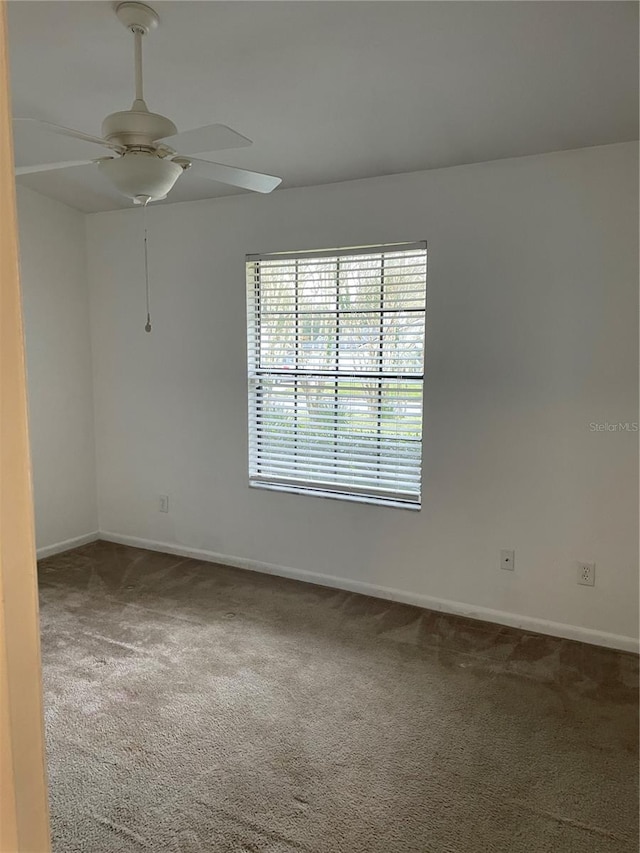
{"x":192,"y":707}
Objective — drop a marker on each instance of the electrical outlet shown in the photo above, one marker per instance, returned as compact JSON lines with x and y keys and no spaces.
{"x":587,"y":574}
{"x":164,"y":503}
{"x":508,"y":560}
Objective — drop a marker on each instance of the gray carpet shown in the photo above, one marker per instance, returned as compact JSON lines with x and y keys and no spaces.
{"x":192,"y":707}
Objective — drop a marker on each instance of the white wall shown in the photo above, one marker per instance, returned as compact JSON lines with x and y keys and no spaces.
{"x":531,"y":336}
{"x":57,"y":331}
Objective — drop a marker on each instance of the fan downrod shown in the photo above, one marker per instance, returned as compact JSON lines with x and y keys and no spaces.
{"x":137,"y":127}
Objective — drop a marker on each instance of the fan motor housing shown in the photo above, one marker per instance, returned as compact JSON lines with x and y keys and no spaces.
{"x":137,"y":126}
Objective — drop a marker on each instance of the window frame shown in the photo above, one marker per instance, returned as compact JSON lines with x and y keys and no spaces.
{"x":255,"y":373}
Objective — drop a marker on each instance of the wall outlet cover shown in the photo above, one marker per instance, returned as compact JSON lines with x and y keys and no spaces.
{"x":587,"y":574}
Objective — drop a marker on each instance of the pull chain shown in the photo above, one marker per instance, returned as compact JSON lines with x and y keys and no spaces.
{"x":147,"y":327}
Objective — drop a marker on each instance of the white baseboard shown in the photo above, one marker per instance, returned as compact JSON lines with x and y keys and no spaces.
{"x":485,"y":614}
{"x":67,"y":545}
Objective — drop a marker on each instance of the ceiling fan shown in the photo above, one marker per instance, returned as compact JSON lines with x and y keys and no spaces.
{"x":144,"y":163}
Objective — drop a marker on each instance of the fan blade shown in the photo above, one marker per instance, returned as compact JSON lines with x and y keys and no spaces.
{"x":234,"y":177}
{"x":50,"y":167}
{"x":67,"y":131}
{"x":200,"y":140}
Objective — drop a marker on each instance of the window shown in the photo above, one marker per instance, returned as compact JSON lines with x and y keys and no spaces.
{"x":336,"y":372}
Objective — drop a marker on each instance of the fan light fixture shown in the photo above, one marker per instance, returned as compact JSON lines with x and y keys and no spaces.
{"x":142,"y":175}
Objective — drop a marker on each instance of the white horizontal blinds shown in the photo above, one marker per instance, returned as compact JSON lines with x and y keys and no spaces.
{"x":336,"y":370}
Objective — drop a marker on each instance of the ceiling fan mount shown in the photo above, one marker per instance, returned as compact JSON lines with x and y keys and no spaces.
{"x":137,"y":17}
{"x":144,"y":164}
{"x":137,"y":126}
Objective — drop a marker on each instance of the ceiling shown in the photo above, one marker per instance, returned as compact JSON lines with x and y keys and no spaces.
{"x":332,"y":91}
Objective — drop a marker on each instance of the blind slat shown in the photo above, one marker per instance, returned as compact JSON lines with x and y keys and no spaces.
{"x":386,"y":442}
{"x":344,"y":477}
{"x":390,"y":249}
{"x":334,"y":463}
